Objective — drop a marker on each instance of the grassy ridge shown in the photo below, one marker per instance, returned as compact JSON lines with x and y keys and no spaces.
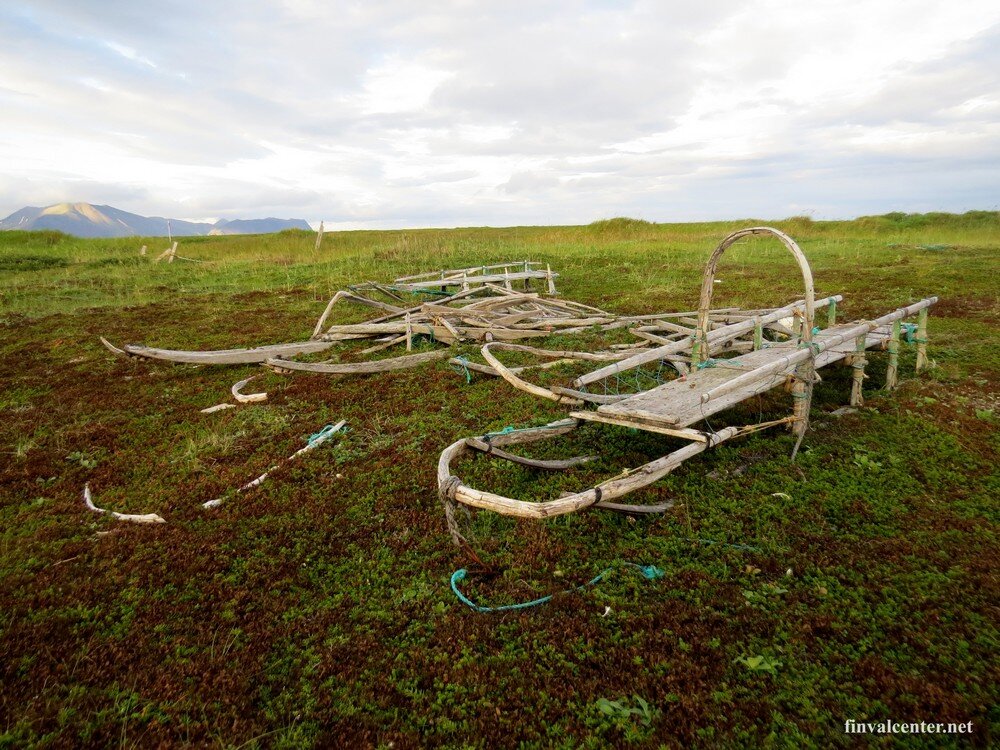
{"x":316,"y":611}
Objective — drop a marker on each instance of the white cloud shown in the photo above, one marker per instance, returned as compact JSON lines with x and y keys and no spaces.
{"x":472,"y":113}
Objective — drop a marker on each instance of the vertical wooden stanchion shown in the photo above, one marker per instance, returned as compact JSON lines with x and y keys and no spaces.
{"x":831,"y":314}
{"x":142,"y":251}
{"x":551,"y":280}
{"x":409,"y":334}
{"x":801,"y":396}
{"x":527,"y":281}
{"x":858,"y":362}
{"x":891,"y":372}
{"x":319,"y":236}
{"x":173,"y":252}
{"x":758,"y":335}
{"x":921,"y":340}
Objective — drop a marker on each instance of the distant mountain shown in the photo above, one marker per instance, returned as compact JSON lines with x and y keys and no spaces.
{"x":86,"y":220}
{"x":258,"y":226}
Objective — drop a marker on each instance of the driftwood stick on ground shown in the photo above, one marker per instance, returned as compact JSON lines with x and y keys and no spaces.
{"x":218,"y":407}
{"x":314,"y":442}
{"x":247,"y":398}
{"x":133,"y":517}
{"x":112,"y":348}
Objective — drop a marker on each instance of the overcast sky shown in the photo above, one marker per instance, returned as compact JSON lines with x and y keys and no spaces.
{"x":404,"y":114}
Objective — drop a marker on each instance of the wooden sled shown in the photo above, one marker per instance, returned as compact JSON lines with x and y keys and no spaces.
{"x":708,"y":387}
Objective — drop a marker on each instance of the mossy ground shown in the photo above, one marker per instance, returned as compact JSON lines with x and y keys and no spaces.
{"x":316,"y":611}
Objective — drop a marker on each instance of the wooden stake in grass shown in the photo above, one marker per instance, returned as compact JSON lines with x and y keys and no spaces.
{"x":831,"y":314}
{"x":921,"y":340}
{"x":891,"y":372}
{"x":319,"y":236}
{"x":142,"y":251}
{"x":858,"y":362}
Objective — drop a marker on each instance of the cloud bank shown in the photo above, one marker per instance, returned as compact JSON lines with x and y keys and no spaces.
{"x":464,"y":113}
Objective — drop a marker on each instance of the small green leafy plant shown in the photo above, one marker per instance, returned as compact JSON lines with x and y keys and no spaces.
{"x":620,"y":709}
{"x":760,"y":663}
{"x":84,"y":459}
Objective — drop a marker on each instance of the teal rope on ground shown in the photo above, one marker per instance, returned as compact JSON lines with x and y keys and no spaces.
{"x":323,"y":434}
{"x":649,"y":572}
{"x":509,"y":429}
{"x":460,"y":364}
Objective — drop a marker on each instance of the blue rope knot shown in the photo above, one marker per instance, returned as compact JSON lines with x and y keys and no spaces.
{"x":461,"y":363}
{"x":323,"y":434}
{"x":706,"y":364}
{"x":909,"y":331}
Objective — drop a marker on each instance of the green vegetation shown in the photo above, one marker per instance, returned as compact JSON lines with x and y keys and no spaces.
{"x":316,"y":610}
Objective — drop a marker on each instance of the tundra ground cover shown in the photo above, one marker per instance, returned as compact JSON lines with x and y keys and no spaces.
{"x":860,"y":584}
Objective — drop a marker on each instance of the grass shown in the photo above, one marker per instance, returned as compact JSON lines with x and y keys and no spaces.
{"x":316,"y":610}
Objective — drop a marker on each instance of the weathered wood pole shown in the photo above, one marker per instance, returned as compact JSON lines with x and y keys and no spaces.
{"x":921,"y":340}
{"x":892,"y":371}
{"x":409,"y":334}
{"x":796,"y":325}
{"x":801,"y":397}
{"x":142,"y":251}
{"x":831,"y":314}
{"x":858,"y":362}
{"x":758,"y":335}
{"x":319,"y":236}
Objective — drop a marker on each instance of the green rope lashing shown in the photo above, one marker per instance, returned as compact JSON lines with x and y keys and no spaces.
{"x":510,"y":429}
{"x":649,"y":572}
{"x":909,"y":331}
{"x":810,"y":345}
{"x":462,"y":364}
{"x":707,"y":363}
{"x":323,"y":434}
